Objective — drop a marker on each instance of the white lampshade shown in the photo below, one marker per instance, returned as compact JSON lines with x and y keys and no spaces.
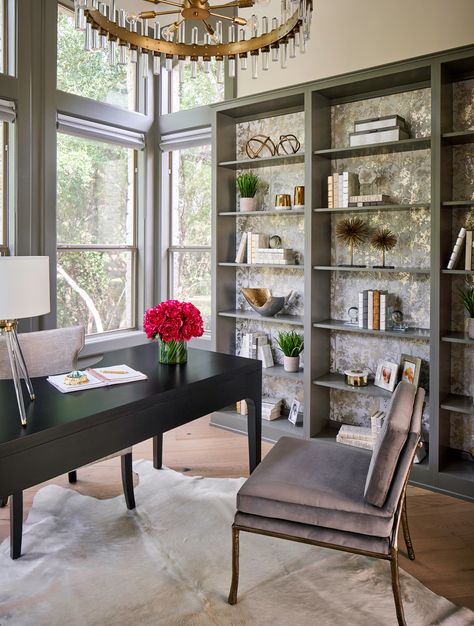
{"x":24,"y":286}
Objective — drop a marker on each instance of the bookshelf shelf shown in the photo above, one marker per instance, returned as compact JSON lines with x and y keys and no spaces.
{"x":277,"y":266}
{"x":271,"y":429}
{"x":242,"y":164}
{"x":294,"y":320}
{"x":403,"y":145}
{"x":379,"y":207}
{"x":292,"y":213}
{"x":381,"y":270}
{"x":458,"y":137}
{"x":455,"y":466}
{"x":339,"y":325}
{"x":458,"y":404}
{"x":336,"y":381}
{"x":454,"y":272}
{"x":277,"y":371}
{"x":458,"y":337}
{"x":458,"y":203}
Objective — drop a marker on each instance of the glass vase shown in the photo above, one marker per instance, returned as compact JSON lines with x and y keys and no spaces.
{"x":173,"y":352}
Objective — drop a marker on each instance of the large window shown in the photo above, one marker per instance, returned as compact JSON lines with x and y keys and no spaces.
{"x":96,"y":235}
{"x":3,"y":185}
{"x":89,"y":74}
{"x":191,"y":92}
{"x":190,"y":250}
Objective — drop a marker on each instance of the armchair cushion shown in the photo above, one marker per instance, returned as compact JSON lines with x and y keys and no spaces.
{"x":390,"y":444}
{"x":315,"y":483}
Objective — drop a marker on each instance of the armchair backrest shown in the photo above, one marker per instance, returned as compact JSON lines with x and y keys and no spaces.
{"x":390,"y":443}
{"x":46,"y":352}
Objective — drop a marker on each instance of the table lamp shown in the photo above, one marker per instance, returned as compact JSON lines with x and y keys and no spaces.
{"x":24,"y":292}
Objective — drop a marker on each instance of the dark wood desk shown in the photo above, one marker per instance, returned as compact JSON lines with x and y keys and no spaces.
{"x":66,"y":431}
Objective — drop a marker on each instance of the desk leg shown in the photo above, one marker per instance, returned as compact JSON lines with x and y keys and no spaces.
{"x":254,"y":426}
{"x":16,"y":524}
{"x":158,"y":451}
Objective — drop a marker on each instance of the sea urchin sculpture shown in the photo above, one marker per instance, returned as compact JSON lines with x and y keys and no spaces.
{"x":382,"y":240}
{"x":352,"y":232}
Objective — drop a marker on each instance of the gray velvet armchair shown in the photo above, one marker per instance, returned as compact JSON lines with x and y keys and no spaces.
{"x":46,"y":353}
{"x":335,"y":496}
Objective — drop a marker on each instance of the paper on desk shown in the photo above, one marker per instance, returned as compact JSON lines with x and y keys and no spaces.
{"x":99,"y":377}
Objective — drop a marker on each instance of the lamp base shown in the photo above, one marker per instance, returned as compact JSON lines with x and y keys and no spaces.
{"x":18,"y":365}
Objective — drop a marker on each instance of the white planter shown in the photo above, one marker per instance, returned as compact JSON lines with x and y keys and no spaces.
{"x":248,"y":204}
{"x":470,"y":328}
{"x":291,"y":363}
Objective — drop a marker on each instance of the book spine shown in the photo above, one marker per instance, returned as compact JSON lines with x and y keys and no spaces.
{"x":370,"y":310}
{"x":468,"y":256}
{"x":335,"y":179}
{"x":330,"y":192}
{"x":376,"y":310}
{"x":356,"y":443}
{"x":240,"y":256}
{"x":456,"y":253}
{"x":249,"y":247}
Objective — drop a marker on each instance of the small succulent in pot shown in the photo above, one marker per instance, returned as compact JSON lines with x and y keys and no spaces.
{"x":467,"y":298}
{"x":291,"y":343}
{"x":248,"y":184}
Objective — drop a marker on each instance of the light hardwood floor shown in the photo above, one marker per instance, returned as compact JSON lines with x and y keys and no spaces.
{"x":442,"y":528}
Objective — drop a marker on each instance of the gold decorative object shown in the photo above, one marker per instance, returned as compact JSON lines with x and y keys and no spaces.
{"x":288,"y":144}
{"x":257,"y":143}
{"x":357,"y":378}
{"x":282,"y":202}
{"x":352,"y":231}
{"x":383,"y":239}
{"x":129,"y":36}
{"x":298,"y":198}
{"x":262,"y":301}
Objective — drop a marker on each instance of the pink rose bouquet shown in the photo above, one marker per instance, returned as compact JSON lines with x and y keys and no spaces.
{"x":173,"y":321}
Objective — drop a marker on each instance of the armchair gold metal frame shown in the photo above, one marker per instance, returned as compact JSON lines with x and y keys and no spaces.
{"x":400,"y":516}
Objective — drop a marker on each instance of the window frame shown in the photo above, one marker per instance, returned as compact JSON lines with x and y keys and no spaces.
{"x":133,"y":248}
{"x":168,"y":247}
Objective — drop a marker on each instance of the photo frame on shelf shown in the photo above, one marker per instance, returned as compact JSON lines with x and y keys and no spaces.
{"x":386,"y":375}
{"x":410,"y":367}
{"x":294,"y":411}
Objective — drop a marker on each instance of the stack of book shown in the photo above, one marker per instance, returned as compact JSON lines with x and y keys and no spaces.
{"x":378,"y":130}
{"x":274,"y":256}
{"x":340,"y":188}
{"x":271,"y":409}
{"x":256,"y":346}
{"x":374,"y":199}
{"x":464,"y":241}
{"x":375,"y":309}
{"x":254,"y":242}
{"x":361,"y":436}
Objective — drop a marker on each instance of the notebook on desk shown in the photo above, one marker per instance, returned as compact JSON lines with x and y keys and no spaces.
{"x":99,"y":377}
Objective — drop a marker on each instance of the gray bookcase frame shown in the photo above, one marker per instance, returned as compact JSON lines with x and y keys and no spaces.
{"x":443,"y":470}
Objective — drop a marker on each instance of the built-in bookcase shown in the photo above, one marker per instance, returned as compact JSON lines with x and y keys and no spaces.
{"x":430,"y":178}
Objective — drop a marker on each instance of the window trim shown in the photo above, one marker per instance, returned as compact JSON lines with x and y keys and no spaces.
{"x":133,"y":248}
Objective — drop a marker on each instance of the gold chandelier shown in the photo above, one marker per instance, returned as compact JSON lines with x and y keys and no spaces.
{"x":130,"y":37}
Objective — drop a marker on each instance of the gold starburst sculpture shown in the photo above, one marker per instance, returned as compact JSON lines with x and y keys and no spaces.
{"x":352,"y":232}
{"x":382,"y":240}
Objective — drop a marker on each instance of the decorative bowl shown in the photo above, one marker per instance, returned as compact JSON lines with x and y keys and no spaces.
{"x":262,"y":301}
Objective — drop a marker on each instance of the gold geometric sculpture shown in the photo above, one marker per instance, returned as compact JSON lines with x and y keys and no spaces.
{"x":288,"y":144}
{"x":352,"y":231}
{"x":257,"y":143}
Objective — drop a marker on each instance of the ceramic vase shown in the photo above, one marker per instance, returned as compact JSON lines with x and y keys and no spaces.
{"x":291,"y":363}
{"x":248,"y":204}
{"x":173,"y":352}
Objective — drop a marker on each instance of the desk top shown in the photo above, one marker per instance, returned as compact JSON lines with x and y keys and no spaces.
{"x":73,"y":411}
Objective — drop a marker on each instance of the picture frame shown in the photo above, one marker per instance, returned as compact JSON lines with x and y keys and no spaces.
{"x":386,"y":375}
{"x":294,"y":410}
{"x":410,"y":367}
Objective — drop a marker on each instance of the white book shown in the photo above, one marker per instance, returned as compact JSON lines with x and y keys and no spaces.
{"x":99,"y":377}
{"x":350,"y":431}
{"x":242,"y":249}
{"x":249,"y":247}
{"x":265,"y":355}
{"x":370,"y":309}
{"x":468,"y":256}
{"x":456,"y":253}
{"x":356,"y":443}
{"x":335,"y":179}
{"x":340,"y":189}
{"x":245,"y":346}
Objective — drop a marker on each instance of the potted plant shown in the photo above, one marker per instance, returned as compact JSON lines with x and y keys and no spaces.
{"x":467,"y":297}
{"x":291,"y":344}
{"x":247,"y":184}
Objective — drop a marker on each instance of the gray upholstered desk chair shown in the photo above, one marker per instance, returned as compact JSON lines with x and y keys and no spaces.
{"x":47,"y":353}
{"x":335,"y":496}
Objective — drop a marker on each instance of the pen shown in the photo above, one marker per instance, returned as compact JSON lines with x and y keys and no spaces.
{"x":114,"y":372}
